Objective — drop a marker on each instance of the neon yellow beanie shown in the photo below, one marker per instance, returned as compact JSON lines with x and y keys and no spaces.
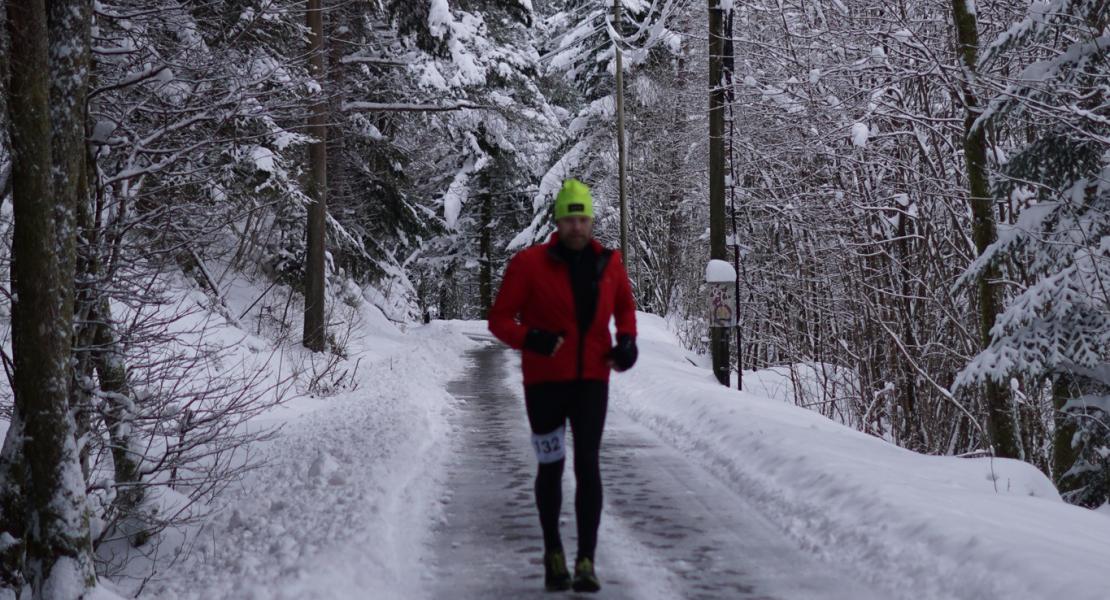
{"x":574,"y":200}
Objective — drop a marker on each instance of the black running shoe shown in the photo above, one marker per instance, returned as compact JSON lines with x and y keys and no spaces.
{"x":584,"y":578}
{"x":556,"y":578}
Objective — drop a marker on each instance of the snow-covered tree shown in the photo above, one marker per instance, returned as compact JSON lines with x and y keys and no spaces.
{"x":579,"y":66}
{"x":482,"y":162}
{"x":1056,"y":331}
{"x":45,"y":549}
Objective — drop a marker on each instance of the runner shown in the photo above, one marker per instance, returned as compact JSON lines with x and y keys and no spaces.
{"x":555,"y":304}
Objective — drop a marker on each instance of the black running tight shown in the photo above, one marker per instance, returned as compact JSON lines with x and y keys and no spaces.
{"x":550,"y":406}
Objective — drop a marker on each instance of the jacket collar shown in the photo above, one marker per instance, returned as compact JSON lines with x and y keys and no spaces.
{"x":554,"y":239}
{"x":603,"y":253}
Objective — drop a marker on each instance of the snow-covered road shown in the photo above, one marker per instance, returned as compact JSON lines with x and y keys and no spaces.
{"x":418,"y":484}
{"x":670,"y":528}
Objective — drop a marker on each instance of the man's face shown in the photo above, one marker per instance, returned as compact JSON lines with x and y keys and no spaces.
{"x":575,"y":231}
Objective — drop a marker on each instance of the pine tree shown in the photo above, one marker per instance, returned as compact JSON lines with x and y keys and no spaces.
{"x":1057,"y":330}
{"x":484,"y":53}
{"x":579,"y":67}
{"x":1000,"y":418}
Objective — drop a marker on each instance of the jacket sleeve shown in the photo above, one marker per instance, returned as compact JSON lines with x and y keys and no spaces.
{"x":506,"y":308}
{"x":624,"y":306}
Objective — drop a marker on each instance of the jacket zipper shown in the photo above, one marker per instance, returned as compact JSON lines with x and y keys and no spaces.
{"x":581,"y":349}
{"x":581,"y":338}
{"x":602,"y":262}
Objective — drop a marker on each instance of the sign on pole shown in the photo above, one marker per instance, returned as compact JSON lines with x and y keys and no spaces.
{"x":720,"y":278}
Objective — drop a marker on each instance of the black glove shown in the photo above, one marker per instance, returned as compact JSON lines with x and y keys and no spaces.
{"x":624,"y":353}
{"x":541,"y":342}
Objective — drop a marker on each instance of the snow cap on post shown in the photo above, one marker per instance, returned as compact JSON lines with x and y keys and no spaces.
{"x":719,"y":271}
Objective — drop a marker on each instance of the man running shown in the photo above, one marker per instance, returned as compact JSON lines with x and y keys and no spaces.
{"x":555,"y":303}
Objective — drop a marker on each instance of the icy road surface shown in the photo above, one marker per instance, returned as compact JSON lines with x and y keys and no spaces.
{"x":670,"y":529}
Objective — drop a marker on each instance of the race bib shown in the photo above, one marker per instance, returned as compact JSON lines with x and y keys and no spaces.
{"x":550,"y":447}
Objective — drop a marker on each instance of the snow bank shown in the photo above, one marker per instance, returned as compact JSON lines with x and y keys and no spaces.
{"x":344,"y":497}
{"x":342,"y":503}
{"x":917,"y":526}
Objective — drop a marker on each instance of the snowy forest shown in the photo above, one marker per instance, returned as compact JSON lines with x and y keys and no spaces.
{"x":217,"y":214}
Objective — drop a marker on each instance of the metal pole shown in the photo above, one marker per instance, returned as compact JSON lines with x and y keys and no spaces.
{"x":620,"y":131}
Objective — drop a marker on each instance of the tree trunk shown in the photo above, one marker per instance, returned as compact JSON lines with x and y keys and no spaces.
{"x":71,"y":65}
{"x":485,"y":250}
{"x":448,"y":294}
{"x":315,"y":326}
{"x":621,"y":158}
{"x":86,"y":268}
{"x":911,"y":433}
{"x":1063,"y":453}
{"x":119,"y":415}
{"x":50,"y":520}
{"x":1000,"y":418}
{"x":718,"y":336}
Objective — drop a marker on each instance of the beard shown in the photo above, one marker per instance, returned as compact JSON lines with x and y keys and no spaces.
{"x":575,"y":241}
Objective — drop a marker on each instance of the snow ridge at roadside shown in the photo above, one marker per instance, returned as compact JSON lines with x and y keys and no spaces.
{"x":922,"y":527}
{"x":345,"y":501}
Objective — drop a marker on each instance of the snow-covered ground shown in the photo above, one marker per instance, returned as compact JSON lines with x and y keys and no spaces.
{"x":928,"y":526}
{"x":350,"y":492}
{"x":344,"y":495}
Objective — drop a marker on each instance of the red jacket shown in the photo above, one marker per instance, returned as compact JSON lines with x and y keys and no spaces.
{"x":536,"y":293}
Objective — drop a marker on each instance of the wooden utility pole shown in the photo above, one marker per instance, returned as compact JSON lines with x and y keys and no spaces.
{"x":315,"y":326}
{"x":1000,"y":418}
{"x":730,"y":97}
{"x":620,"y":131}
{"x":718,"y":336}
